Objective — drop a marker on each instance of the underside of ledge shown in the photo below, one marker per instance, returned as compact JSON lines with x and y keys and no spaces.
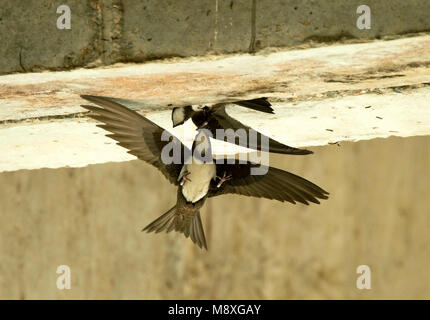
{"x":320,"y":96}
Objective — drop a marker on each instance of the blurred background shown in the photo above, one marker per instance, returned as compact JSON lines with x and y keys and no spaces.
{"x":378,"y":214}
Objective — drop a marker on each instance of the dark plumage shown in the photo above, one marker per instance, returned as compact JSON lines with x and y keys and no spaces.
{"x":216,"y":118}
{"x":142,"y":138}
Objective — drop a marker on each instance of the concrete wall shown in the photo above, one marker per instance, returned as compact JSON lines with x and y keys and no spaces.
{"x":108,"y":31}
{"x":90,"y":219}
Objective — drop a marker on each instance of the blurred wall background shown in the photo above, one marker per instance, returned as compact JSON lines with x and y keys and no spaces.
{"x":90,"y":219}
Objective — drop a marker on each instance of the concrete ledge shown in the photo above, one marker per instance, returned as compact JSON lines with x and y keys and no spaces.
{"x":77,"y":142}
{"x":286,"y":75}
{"x":320,"y":96}
{"x":31,"y":41}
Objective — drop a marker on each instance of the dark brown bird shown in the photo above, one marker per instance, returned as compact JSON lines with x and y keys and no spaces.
{"x":216,"y":117}
{"x":182,"y":114}
{"x":194,"y":173}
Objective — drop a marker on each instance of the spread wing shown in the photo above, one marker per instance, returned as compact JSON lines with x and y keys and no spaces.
{"x":259,"y":104}
{"x":275,"y":184}
{"x":224,"y":121}
{"x":139,"y":135}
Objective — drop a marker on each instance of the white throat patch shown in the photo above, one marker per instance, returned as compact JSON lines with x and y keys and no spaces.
{"x":178,"y":116}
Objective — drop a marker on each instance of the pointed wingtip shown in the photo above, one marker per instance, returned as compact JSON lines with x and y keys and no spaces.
{"x":291,"y":151}
{"x":90,"y":109}
{"x":93,"y":99}
{"x":307,"y":152}
{"x":203,"y":245}
{"x":87,"y":97}
{"x":87,"y":106}
{"x":304,"y":152}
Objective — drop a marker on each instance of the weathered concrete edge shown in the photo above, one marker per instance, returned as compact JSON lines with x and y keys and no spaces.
{"x":287,"y":75}
{"x":78,"y":142}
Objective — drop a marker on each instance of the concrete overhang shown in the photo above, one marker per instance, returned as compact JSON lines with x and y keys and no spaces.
{"x":321,"y":96}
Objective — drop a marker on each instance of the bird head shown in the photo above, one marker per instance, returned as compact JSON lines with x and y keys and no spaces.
{"x":201,"y":118}
{"x":181,"y":114}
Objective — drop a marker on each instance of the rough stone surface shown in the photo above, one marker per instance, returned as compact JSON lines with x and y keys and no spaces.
{"x":157,"y":29}
{"x":104,"y":32}
{"x":31,"y":41}
{"x":286,"y":23}
{"x":233,"y":26}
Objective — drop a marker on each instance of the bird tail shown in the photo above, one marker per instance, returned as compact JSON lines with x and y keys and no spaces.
{"x":188,"y":224}
{"x":259,"y":104}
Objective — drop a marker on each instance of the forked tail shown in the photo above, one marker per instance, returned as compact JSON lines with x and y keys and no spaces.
{"x":259,"y":104}
{"x":188,"y":224}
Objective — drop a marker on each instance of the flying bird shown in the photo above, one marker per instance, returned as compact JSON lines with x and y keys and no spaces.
{"x":193,"y":173}
{"x":182,"y":114}
{"x":215,"y":117}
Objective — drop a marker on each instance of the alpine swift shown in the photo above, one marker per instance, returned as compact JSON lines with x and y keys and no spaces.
{"x":215,"y":117}
{"x":182,"y":114}
{"x":196,"y":176}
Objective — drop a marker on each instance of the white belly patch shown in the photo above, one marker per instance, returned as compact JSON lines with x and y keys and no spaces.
{"x":200,"y":176}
